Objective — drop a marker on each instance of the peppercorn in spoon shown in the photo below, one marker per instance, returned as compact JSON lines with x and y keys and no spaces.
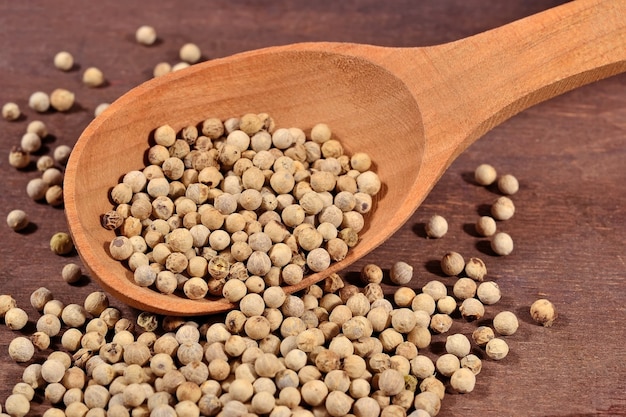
{"x":414,"y":110}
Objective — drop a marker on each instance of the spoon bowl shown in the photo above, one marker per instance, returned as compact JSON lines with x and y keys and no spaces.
{"x":414,"y":110}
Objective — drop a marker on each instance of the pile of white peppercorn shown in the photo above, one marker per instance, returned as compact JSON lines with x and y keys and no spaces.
{"x":335,"y":349}
{"x":229,"y":205}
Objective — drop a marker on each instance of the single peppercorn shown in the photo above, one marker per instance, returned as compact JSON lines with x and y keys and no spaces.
{"x":11,"y":111}
{"x":508,"y":184}
{"x":452,"y":263}
{"x":17,"y":220}
{"x":543,"y":312}
{"x":61,"y":243}
{"x":146,"y":35}
{"x":436,"y":227}
{"x":61,"y":99}
{"x":502,"y":244}
{"x":485,"y":174}
{"x":497,"y":349}
{"x":485,"y":226}
{"x":505,"y":323}
{"x":93,"y":77}
{"x":64,"y":61}
{"x":503,"y":208}
{"x":401,"y":273}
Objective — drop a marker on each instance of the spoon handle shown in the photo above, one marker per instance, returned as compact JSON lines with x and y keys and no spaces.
{"x":466,"y":88}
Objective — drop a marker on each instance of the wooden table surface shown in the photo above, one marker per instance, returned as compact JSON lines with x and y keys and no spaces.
{"x":569,"y":155}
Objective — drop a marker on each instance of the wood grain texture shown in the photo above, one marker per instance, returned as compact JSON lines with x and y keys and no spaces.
{"x":568,"y":154}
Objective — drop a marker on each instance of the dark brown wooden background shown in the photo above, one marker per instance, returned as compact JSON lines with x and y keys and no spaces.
{"x":569,"y":155}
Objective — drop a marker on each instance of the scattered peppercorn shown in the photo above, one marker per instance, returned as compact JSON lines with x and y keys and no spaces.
{"x":64,"y":61}
{"x":543,"y":312}
{"x":485,"y":174}
{"x":146,"y":35}
{"x":61,"y":243}
{"x":436,"y":227}
{"x":17,"y":220}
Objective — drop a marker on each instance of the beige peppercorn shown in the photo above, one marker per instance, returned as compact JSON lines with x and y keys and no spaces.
{"x":146,"y":35}
{"x":502,"y":244}
{"x":488,"y":292}
{"x":371,"y":273}
{"x":71,"y":273}
{"x":497,"y":349}
{"x":11,"y":111}
{"x":508,"y":184}
{"x":463,"y":380}
{"x":475,"y":269}
{"x":436,"y":227}
{"x":401,"y":273}
{"x":61,"y":99}
{"x":543,"y":312}
{"x":39,"y":101}
{"x":17,"y":405}
{"x":482,"y":334}
{"x":93,"y":77}
{"x":505,"y":323}
{"x":452,"y":263}
{"x":503,"y":208}
{"x":64,"y":61}
{"x":472,"y":309}
{"x":15,"y":318}
{"x":486,"y":226}
{"x":464,"y":288}
{"x":485,"y":174}
{"x":21,"y":349}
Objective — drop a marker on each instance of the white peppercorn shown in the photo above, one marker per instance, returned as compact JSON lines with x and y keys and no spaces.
{"x":71,"y":273}
{"x":30,"y":142}
{"x":447,"y":364}
{"x":436,"y":227}
{"x":145,"y":35}
{"x":482,"y":335}
{"x":497,"y":348}
{"x":464,"y":288}
{"x":485,"y":174}
{"x":190,"y":53}
{"x":472,"y":362}
{"x":93,"y":77}
{"x":505,"y":323}
{"x":10,"y":111}
{"x":472,"y":309}
{"x":508,"y":184}
{"x":488,"y":292}
{"x":61,"y":99}
{"x":401,"y":273}
{"x":458,"y":345}
{"x":502,"y":244}
{"x":485,"y":226}
{"x":64,"y":61}
{"x":440,"y":323}
{"x":17,"y":220}
{"x":436,"y":289}
{"x":21,"y":349}
{"x":17,"y":405}
{"x":503,"y":208}
{"x":463,"y":381}
{"x":543,"y":312}
{"x":452,"y":263}
{"x":15,"y":318}
{"x":39,"y":101}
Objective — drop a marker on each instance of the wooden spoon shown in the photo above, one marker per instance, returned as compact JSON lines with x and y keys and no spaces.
{"x":414,"y":110}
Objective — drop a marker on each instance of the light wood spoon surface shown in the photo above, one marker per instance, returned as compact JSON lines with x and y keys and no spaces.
{"x":414,"y":110}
